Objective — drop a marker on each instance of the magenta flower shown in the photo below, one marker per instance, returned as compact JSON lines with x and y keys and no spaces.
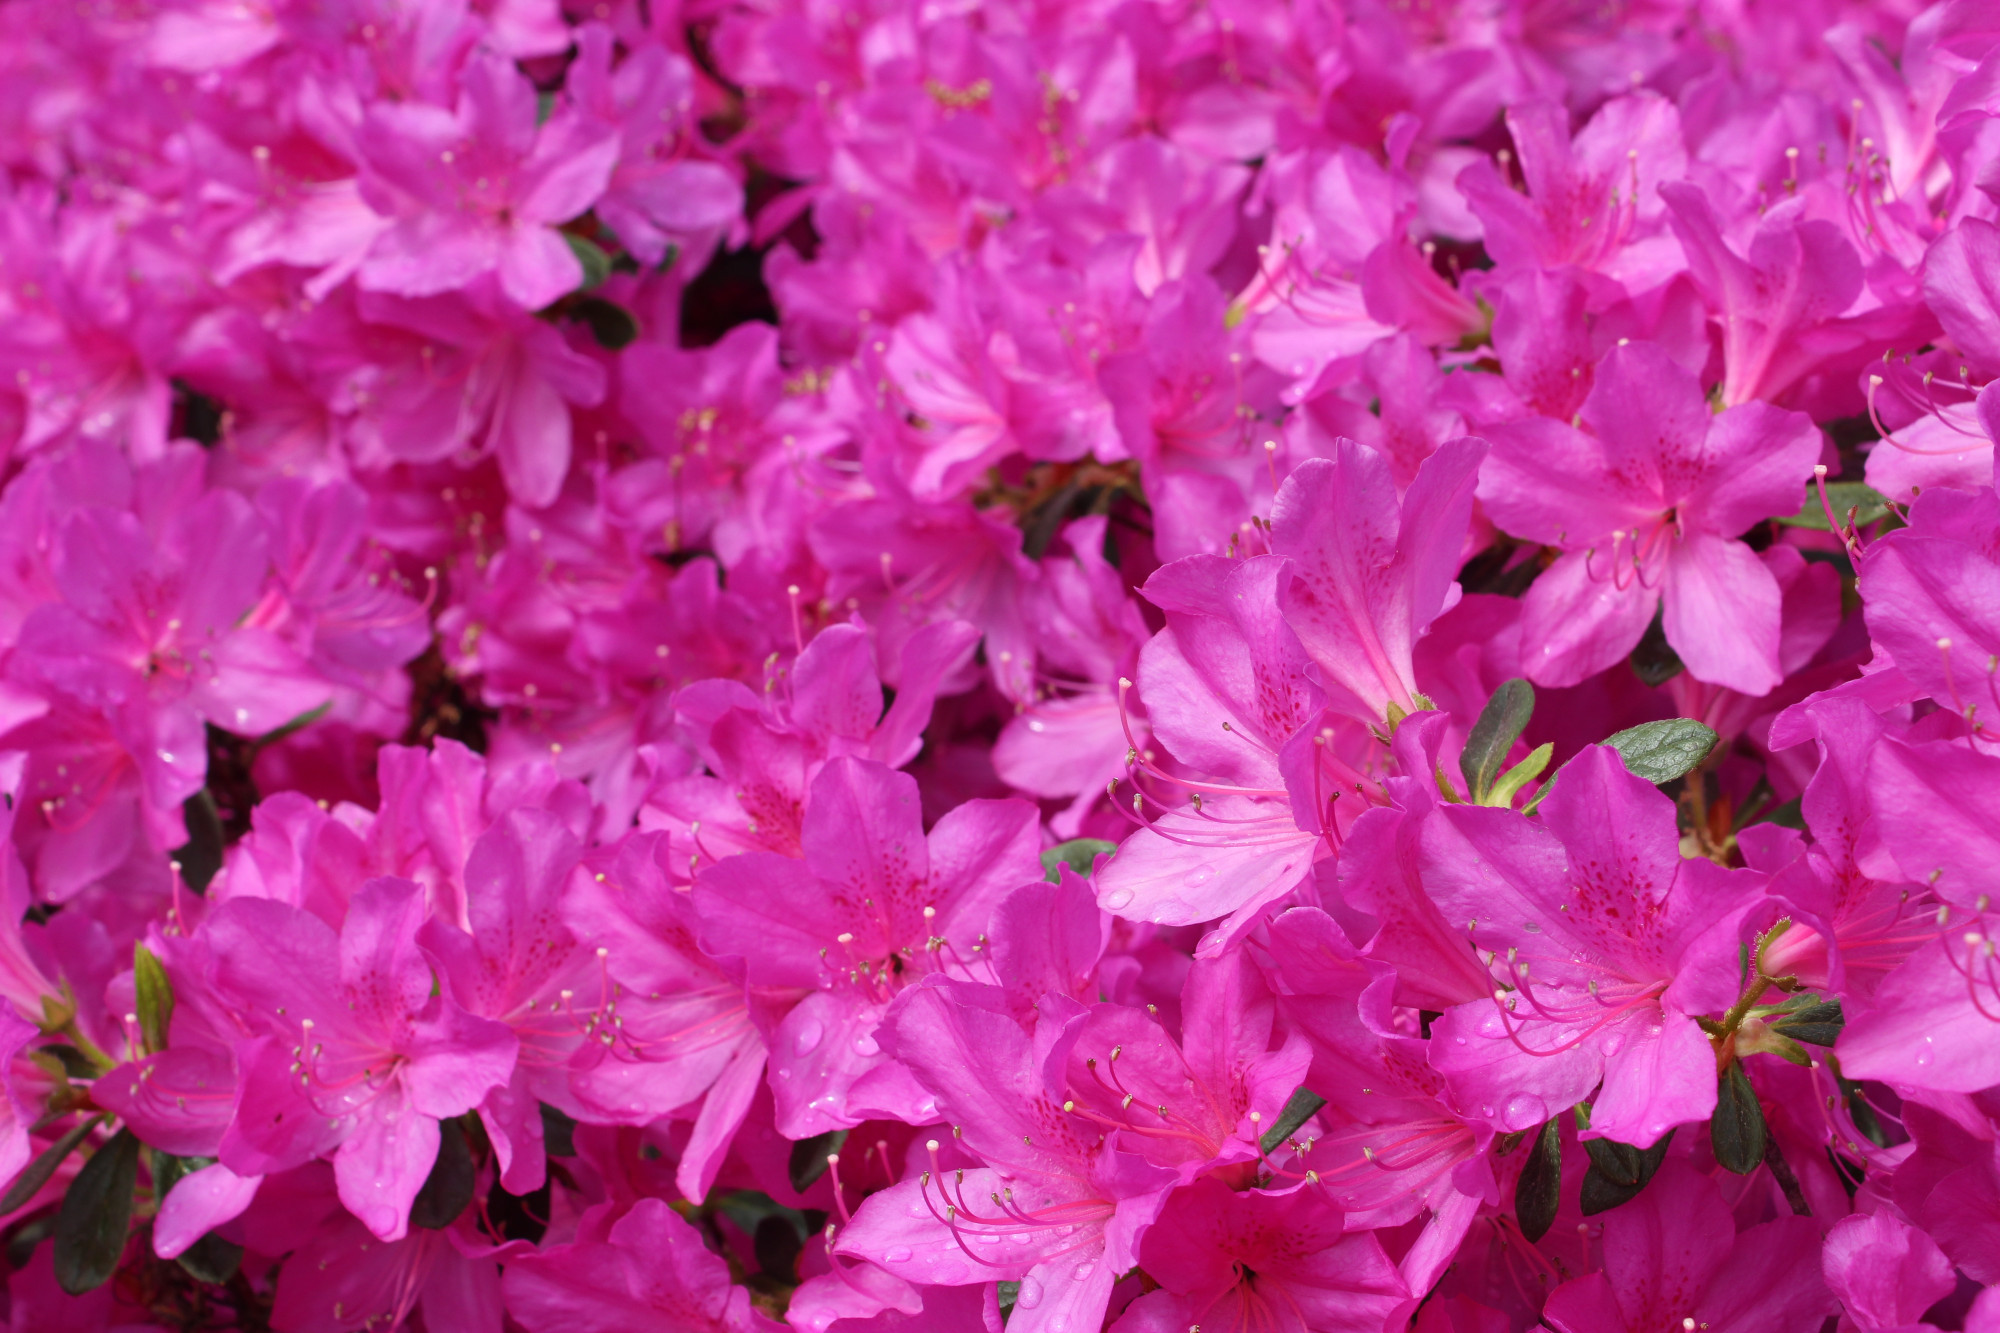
{"x":1607,"y":946}
{"x":875,"y":905}
{"x":1646,"y":507}
{"x":480,"y":189}
{"x":351,"y":1055}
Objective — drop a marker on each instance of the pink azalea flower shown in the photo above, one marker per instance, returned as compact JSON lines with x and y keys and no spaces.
{"x":1646,"y":509}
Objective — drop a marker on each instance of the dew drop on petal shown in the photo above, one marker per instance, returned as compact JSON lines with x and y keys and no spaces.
{"x":899,"y":1255}
{"x":1117,"y":899}
{"x":808,"y":1037}
{"x":1030,"y":1294}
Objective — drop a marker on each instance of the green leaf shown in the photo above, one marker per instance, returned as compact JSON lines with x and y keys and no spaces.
{"x":200,"y":857}
{"x":1618,"y":1172}
{"x":38,"y":1172}
{"x":1520,"y":775}
{"x":808,"y":1162}
{"x":155,"y":997}
{"x":611,"y":324}
{"x":1816,"y":1025}
{"x":1538,"y":1193}
{"x":1009,"y":1293}
{"x":297,"y":724}
{"x":1663,"y":751}
{"x":1870,"y":506}
{"x":558,"y":1132}
{"x":447,"y":1191}
{"x":1499,"y":726}
{"x":212,"y":1259}
{"x":596,"y":264}
{"x":1079,"y":854}
{"x":96,"y":1216}
{"x":1299,"y":1108}
{"x":777,"y":1244}
{"x":1737,"y":1131}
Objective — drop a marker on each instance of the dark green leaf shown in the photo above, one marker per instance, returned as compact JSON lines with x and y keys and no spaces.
{"x":777,"y":1247}
{"x":1079,"y":854}
{"x":200,"y":857}
{"x":1499,"y":726}
{"x":1616,"y":1162}
{"x":1816,"y":1025}
{"x":297,"y":724}
{"x":1299,"y":1108}
{"x":37,"y":1173}
{"x":1618,"y":1172}
{"x":1737,"y":1132}
{"x":96,"y":1216}
{"x":596,"y":264}
{"x":212,"y":1259}
{"x":447,"y":1191}
{"x":808,"y":1162}
{"x":1654,"y":661}
{"x":1663,"y":751}
{"x":1841,"y":496}
{"x":1538,"y":1193}
{"x":1789,"y":815}
{"x":611,"y":324}
{"x":558,"y":1132}
{"x":154,"y":997}
{"x":747,"y":1210}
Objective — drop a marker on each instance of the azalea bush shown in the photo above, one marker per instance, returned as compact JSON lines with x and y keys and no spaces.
{"x":1323,"y":666}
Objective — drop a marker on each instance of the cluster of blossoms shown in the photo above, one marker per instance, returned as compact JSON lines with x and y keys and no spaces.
{"x":1324,"y":666}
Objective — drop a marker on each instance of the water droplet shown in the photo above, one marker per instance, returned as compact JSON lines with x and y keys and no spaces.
{"x":1084,"y":1270}
{"x":809,"y":1037}
{"x":1612,"y":1044}
{"x":1199,"y":876}
{"x":1030,"y":1294}
{"x":1526,"y":1109}
{"x":1531,"y":928}
{"x":1116,"y":899}
{"x":1486,"y":1111}
{"x":866,"y":1045}
{"x":1459,"y":1040}
{"x":899,"y":1255}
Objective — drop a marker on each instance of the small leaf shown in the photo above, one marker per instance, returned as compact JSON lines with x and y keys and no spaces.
{"x":1618,"y":1172}
{"x":447,"y":1191}
{"x":1870,"y":506}
{"x":212,"y":1259}
{"x":1737,"y":1132}
{"x":1663,"y":751}
{"x":1538,"y":1193}
{"x":1299,"y":1108}
{"x":777,"y":1246}
{"x":1816,"y":1025}
{"x":96,"y":1216}
{"x":558,"y":1132}
{"x":1009,"y":1293}
{"x":200,"y":857}
{"x":1509,"y":785}
{"x":1654,"y":660}
{"x":1499,"y":726}
{"x":297,"y":724}
{"x":38,"y":1172}
{"x":1617,"y":1162}
{"x":808,"y":1161}
{"x":596,"y":264}
{"x":1079,"y":854}
{"x":611,"y":324}
{"x":155,"y":997}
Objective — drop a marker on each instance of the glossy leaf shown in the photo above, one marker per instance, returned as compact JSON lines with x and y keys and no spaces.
{"x":1816,"y":1025}
{"x":38,"y":1172}
{"x":447,"y":1191}
{"x":1079,"y":854}
{"x":96,"y":1216}
{"x":1500,"y":724}
{"x":1737,"y":1131}
{"x":808,"y":1160}
{"x":1299,"y":1108}
{"x":1663,"y":751}
{"x":154,"y":997}
{"x":1538,"y":1193}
